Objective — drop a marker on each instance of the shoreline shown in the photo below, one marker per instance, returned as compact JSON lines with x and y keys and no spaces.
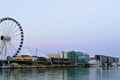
{"x":41,"y":66}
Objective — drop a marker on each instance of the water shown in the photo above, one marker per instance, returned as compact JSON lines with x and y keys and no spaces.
{"x":60,"y":74}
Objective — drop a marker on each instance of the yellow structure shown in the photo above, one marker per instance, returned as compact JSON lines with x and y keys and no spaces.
{"x":24,"y":58}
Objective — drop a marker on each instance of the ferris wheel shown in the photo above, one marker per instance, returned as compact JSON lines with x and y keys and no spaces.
{"x":11,"y":37}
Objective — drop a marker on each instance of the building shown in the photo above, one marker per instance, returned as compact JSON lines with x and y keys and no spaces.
{"x":58,"y":58}
{"x":24,"y":58}
{"x":69,"y":57}
{"x":34,"y":58}
{"x":103,"y":60}
{"x":93,"y":62}
{"x":39,"y":57}
{"x":76,"y":57}
{"x":55,"y":55}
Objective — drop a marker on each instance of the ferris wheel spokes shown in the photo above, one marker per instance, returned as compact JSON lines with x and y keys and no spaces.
{"x":11,"y":37}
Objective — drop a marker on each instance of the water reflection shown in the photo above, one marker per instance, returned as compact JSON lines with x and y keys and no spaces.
{"x":60,"y":74}
{"x":75,"y":74}
{"x":107,"y":74}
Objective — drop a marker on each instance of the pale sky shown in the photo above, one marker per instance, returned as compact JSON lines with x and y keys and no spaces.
{"x":91,"y":26}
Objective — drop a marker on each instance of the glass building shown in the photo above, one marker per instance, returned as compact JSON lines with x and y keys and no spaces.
{"x":76,"y":57}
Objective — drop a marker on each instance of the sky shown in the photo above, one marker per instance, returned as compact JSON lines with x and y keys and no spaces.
{"x":91,"y":26}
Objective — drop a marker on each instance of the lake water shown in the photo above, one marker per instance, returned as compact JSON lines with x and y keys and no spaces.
{"x":60,"y":74}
